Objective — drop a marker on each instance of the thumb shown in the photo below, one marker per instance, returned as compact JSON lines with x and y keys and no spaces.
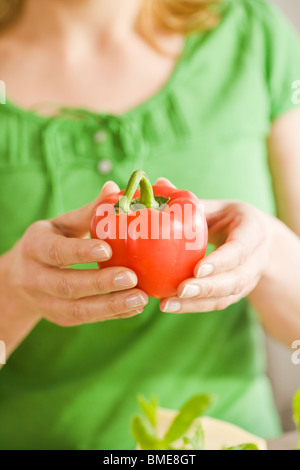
{"x":164,"y":182}
{"x":77,"y":223}
{"x":109,"y":188}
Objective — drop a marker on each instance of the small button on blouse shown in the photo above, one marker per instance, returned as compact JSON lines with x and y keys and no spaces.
{"x":105,"y":166}
{"x":100,"y":137}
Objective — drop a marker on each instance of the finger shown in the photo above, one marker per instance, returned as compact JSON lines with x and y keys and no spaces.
{"x":76,"y":284}
{"x":110,"y":187}
{"x":164,"y":182}
{"x":45,"y":246}
{"x":94,"y":309}
{"x":65,"y":321}
{"x":77,"y":223}
{"x":237,"y":282}
{"x":176,"y":305}
{"x":239,"y":246}
{"x":213,"y":208}
{"x":225,"y":258}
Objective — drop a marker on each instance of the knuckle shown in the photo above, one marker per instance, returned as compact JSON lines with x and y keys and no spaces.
{"x":99,"y":285}
{"x":33,"y":228}
{"x":209,"y":290}
{"x":54,"y":254}
{"x":81,"y":253}
{"x":113,"y":306}
{"x":65,"y":288}
{"x":40,"y":224}
{"x":240,"y":285}
{"x":79,"y":312}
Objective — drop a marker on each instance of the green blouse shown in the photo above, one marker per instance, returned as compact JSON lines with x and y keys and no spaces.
{"x":206,"y":131}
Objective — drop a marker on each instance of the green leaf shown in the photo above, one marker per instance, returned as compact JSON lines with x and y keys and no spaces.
{"x":197,"y":441}
{"x":149,"y":409}
{"x":143,"y":435}
{"x":195,"y":407}
{"x":243,"y":447}
{"x":297,"y":414}
{"x":297,"y":409}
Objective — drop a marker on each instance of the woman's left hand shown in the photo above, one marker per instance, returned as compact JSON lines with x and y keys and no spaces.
{"x":243,"y":237}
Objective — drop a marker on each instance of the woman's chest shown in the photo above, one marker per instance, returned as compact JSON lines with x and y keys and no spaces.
{"x":207,"y":135}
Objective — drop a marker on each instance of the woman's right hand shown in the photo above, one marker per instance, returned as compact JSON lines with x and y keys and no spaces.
{"x":43,"y":285}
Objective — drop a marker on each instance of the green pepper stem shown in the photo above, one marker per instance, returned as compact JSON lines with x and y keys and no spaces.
{"x":147,"y":198}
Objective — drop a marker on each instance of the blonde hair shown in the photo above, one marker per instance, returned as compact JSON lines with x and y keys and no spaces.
{"x":174,"y":16}
{"x":9,"y":11}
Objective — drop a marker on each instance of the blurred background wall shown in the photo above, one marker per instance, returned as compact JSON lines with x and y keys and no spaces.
{"x":284,"y":375}
{"x":291,"y":8}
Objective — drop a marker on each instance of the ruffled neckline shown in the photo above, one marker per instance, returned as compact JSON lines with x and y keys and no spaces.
{"x":146,"y":105}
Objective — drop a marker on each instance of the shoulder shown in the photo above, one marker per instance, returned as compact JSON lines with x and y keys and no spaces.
{"x":250,"y":21}
{"x":261,"y":15}
{"x":254,"y":27}
{"x":257,"y":27}
{"x":265,"y":34}
{"x":260,"y":9}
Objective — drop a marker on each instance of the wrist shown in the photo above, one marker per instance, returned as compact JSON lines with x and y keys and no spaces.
{"x":17,"y":318}
{"x":279,"y":236}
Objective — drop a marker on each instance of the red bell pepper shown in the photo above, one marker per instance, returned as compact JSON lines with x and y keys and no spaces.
{"x":160,"y":233}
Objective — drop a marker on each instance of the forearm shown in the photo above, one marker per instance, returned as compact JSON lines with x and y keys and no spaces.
{"x":15,"y":323}
{"x":277,"y":296}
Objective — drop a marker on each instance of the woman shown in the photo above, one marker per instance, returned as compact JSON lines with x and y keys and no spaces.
{"x":212,"y":111}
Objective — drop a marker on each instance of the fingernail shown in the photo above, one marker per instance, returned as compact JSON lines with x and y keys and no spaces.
{"x":140,"y":310}
{"x":125,"y":279}
{"x":114,"y":186}
{"x":205,"y":270}
{"x":172,"y":306}
{"x":101,"y":253}
{"x":135,"y":300}
{"x":106,"y":184}
{"x":190,"y":290}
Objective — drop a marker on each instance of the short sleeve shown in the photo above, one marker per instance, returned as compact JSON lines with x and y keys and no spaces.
{"x":282,"y":59}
